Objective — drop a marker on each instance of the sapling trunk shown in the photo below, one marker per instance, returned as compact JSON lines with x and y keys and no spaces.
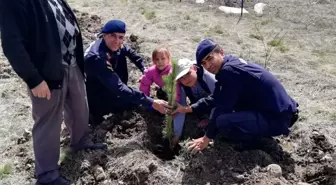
{"x":170,"y":88}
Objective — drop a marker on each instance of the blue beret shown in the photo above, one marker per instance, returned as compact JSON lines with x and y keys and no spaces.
{"x":205,"y":47}
{"x":114,"y":26}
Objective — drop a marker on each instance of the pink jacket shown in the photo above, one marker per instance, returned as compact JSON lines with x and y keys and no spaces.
{"x":154,"y":75}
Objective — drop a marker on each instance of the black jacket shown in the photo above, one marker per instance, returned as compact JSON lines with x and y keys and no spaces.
{"x":31,"y":42}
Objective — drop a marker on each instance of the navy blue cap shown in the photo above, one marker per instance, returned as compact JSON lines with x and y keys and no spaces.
{"x":114,"y":26}
{"x":205,"y":47}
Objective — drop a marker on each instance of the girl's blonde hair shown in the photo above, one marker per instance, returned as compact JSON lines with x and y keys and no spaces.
{"x":161,"y":49}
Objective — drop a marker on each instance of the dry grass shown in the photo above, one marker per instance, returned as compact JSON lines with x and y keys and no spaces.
{"x":149,"y":14}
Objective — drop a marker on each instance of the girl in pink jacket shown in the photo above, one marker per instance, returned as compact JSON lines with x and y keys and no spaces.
{"x":161,"y":66}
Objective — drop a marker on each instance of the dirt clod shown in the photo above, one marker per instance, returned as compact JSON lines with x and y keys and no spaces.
{"x":99,"y":173}
{"x":274,"y":170}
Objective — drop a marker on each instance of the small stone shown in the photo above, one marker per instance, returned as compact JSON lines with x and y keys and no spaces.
{"x":15,"y":163}
{"x":152,"y":167}
{"x":121,"y":182}
{"x":327,"y":158}
{"x":219,"y":161}
{"x":221,"y":172}
{"x":324,"y":1}
{"x":85,"y":165}
{"x":22,"y":154}
{"x":239,"y":178}
{"x":4,"y":76}
{"x":114,"y":175}
{"x":99,"y":173}
{"x":21,"y":140}
{"x":263,"y":170}
{"x":274,"y":170}
{"x":95,"y":17}
{"x":320,"y":153}
{"x":259,"y":8}
{"x":315,"y":133}
{"x":106,"y":182}
{"x":258,"y":168}
{"x":133,"y":37}
{"x":302,"y":183}
{"x":27,"y":134}
{"x":200,"y":1}
{"x":28,"y":166}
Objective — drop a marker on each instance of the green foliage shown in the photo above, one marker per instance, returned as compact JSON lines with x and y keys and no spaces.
{"x":255,"y":36}
{"x":265,"y":22}
{"x":275,"y":42}
{"x":187,"y":17}
{"x":5,"y":170}
{"x":148,"y":14}
{"x":279,"y":44}
{"x":170,"y":89}
{"x":218,"y":29}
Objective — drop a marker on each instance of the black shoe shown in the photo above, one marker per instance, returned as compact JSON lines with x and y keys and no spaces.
{"x":58,"y":181}
{"x":95,"y":120}
{"x":89,"y":145}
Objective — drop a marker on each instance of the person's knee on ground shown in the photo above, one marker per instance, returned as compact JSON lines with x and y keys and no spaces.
{"x":242,"y":126}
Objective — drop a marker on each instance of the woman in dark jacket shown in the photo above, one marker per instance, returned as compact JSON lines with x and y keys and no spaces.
{"x":42,"y":41}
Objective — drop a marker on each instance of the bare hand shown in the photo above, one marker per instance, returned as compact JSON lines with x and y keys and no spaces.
{"x":161,"y":106}
{"x":42,"y":91}
{"x":198,"y":144}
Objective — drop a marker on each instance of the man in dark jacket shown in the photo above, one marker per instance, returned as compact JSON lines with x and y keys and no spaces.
{"x":107,"y":75}
{"x":112,"y":43}
{"x":249,"y":102}
{"x":42,"y":41}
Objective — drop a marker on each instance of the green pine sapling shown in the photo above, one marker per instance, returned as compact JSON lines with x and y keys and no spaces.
{"x":170,"y":89}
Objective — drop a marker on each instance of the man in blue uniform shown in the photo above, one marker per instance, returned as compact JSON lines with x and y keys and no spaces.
{"x":107,"y":75}
{"x":111,"y":41}
{"x":249,"y":102}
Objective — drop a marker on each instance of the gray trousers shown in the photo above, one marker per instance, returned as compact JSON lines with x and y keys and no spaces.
{"x":48,"y":114}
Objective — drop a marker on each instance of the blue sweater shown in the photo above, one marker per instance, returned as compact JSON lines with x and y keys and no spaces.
{"x":245,"y":87}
